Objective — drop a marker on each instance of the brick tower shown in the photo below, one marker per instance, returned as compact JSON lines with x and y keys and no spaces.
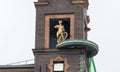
{"x":61,"y":43}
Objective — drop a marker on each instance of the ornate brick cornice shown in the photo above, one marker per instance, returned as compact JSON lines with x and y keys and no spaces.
{"x":43,"y":50}
{"x":84,"y":2}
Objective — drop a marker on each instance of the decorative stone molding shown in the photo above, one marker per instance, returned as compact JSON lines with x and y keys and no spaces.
{"x":57,"y":16}
{"x":41,"y":3}
{"x":85,"y":2}
{"x":58,"y":58}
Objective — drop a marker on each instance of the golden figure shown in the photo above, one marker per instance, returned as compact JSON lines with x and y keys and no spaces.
{"x":61,"y":33}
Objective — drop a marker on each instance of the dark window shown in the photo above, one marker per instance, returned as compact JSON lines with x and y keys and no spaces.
{"x":43,"y":68}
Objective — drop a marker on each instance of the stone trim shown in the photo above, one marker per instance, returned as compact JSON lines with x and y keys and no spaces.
{"x":41,"y":3}
{"x":85,"y":2}
{"x":57,"y":16}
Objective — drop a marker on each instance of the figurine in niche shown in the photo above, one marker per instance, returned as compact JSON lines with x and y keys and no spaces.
{"x":61,"y":33}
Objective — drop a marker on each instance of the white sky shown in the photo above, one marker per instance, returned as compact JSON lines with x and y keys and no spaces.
{"x":17,"y":32}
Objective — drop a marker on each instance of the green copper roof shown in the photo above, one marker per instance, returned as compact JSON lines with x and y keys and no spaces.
{"x":16,"y":66}
{"x":91,"y":47}
{"x":92,"y":67}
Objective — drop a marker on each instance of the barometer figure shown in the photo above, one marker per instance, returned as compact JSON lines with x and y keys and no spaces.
{"x":61,"y":33}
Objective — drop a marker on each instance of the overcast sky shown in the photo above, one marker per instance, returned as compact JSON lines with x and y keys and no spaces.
{"x":17,"y":32}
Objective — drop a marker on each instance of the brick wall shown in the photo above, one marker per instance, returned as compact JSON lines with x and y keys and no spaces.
{"x":73,"y":60}
{"x":58,"y":7}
